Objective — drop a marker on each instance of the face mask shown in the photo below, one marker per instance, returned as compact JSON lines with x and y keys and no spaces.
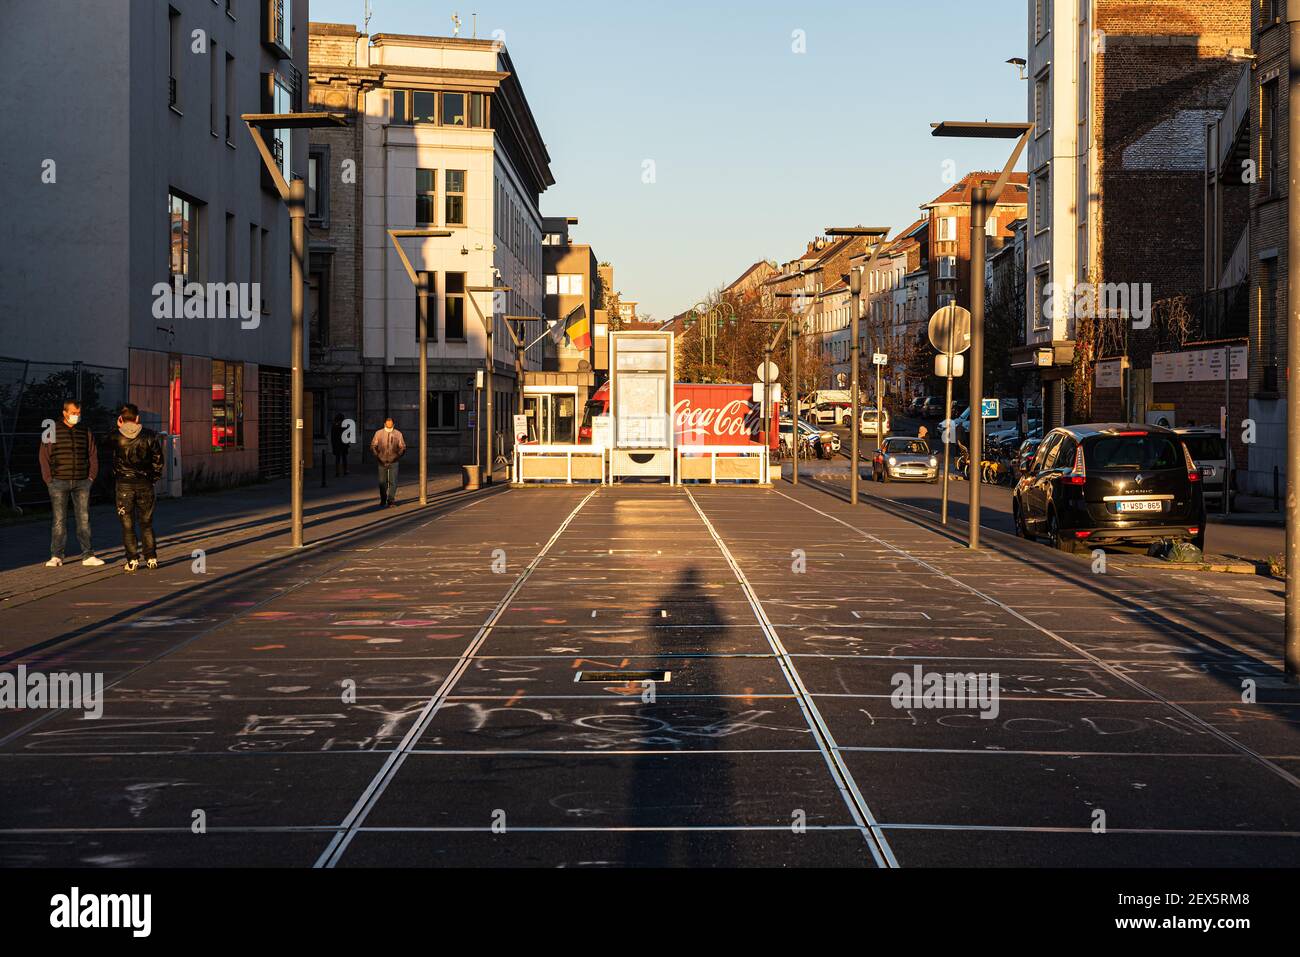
{"x":388,"y":429}
{"x":73,"y":419}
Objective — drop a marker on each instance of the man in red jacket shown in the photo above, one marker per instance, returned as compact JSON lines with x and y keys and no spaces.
{"x":69,"y":464}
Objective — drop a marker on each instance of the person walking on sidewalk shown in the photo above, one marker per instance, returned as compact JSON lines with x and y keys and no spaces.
{"x":69,"y":464}
{"x":137,"y":466}
{"x":339,"y":447}
{"x":388,"y":447}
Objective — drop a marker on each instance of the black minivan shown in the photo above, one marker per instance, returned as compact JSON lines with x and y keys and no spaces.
{"x":1092,"y":485}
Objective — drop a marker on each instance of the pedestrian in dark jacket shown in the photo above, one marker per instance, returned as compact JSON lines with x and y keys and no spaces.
{"x":388,"y":447}
{"x":69,"y":464}
{"x":137,"y":466}
{"x":339,"y":447}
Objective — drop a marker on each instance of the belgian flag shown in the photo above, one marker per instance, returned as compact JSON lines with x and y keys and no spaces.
{"x":578,"y":328}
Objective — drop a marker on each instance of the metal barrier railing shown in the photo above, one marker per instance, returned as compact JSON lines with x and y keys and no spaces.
{"x":559,"y":463}
{"x":739,"y":463}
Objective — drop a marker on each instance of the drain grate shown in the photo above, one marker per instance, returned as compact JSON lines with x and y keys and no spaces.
{"x":622,"y":677}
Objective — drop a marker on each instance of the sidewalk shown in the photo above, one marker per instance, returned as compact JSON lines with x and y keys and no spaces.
{"x":222,"y":519}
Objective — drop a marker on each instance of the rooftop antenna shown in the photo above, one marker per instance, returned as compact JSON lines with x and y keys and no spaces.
{"x":476,"y":26}
{"x":455,"y":24}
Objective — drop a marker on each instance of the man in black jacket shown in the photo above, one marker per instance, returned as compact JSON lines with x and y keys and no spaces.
{"x":137,"y":465}
{"x":69,"y":463}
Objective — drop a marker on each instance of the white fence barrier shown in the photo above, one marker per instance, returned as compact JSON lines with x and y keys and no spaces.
{"x":724,"y":463}
{"x":559,"y":463}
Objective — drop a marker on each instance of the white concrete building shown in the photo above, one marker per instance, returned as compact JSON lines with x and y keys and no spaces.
{"x":450,"y":144}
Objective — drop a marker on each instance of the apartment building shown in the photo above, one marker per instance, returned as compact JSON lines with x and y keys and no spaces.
{"x":149,"y":182}
{"x":1123,"y":97}
{"x":447,"y":143}
{"x":556,"y":395}
{"x":1268,"y":257}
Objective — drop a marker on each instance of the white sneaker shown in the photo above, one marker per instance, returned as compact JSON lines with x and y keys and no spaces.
{"x":54,"y":563}
{"x":152,"y":564}
{"x":131,"y":567}
{"x":93,"y":562}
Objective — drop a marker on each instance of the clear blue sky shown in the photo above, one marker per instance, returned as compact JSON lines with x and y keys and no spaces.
{"x":756,"y":148}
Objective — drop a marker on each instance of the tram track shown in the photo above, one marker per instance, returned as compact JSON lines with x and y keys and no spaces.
{"x":881,"y":852}
{"x":1116,"y":673}
{"x":374,"y":791}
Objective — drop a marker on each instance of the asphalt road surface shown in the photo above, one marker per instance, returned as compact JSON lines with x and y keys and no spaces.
{"x":651,"y":676}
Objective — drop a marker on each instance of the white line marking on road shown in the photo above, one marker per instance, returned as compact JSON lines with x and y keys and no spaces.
{"x":857,"y":805}
{"x":370,"y":797}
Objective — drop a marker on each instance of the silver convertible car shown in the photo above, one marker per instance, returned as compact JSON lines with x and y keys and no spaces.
{"x":905,"y":460}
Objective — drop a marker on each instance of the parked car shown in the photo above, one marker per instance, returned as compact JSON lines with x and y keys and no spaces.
{"x":932,"y":408}
{"x":869,"y":422}
{"x":905,"y":460}
{"x":1210,"y":452}
{"x":1111,"y":484}
{"x":1025,"y":457}
{"x":916,"y":408}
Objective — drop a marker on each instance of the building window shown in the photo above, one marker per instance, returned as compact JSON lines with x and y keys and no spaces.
{"x":227,"y":406}
{"x":1267,"y":13}
{"x":318,"y":186}
{"x":184,"y":238}
{"x":424,"y":107}
{"x":174,"y":395}
{"x":947,"y":267}
{"x":1042,"y":104}
{"x":1268,"y":344}
{"x":1042,"y":18}
{"x":455,"y":197}
{"x":464,"y":110}
{"x":400,"y":114}
{"x":282,"y":140}
{"x":318,"y":311}
{"x":426,"y":197}
{"x":1042,"y":201}
{"x":230,"y":99}
{"x":214,"y":86}
{"x":564,"y":285}
{"x":947,"y":229}
{"x":1040,"y":297}
{"x":1268,"y":149}
{"x":177,"y":55}
{"x":444,"y":411}
{"x":453,"y":109}
{"x":454,"y":317}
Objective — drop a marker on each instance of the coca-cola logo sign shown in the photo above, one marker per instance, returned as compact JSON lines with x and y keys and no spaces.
{"x":705,"y":419}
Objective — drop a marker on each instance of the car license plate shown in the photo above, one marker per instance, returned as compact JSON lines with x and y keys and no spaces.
{"x":1141,"y":507}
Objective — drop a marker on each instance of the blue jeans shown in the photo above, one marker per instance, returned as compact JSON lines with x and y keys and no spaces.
{"x":387,"y":484}
{"x":60,"y":491}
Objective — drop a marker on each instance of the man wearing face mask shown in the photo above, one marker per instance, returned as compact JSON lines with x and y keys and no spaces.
{"x":138,"y":465}
{"x":69,"y":464}
{"x":388,"y":447}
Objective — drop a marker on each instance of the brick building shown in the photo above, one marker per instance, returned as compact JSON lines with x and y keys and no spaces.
{"x":1125,"y":98}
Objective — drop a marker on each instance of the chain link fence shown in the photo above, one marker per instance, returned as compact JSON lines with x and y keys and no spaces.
{"x":32,"y":393}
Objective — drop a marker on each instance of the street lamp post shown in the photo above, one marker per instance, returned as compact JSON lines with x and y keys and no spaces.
{"x":489,"y":462}
{"x":294,"y":196}
{"x":1292,"y":651}
{"x":421,"y":280}
{"x":877,"y":234}
{"x":982,"y":205}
